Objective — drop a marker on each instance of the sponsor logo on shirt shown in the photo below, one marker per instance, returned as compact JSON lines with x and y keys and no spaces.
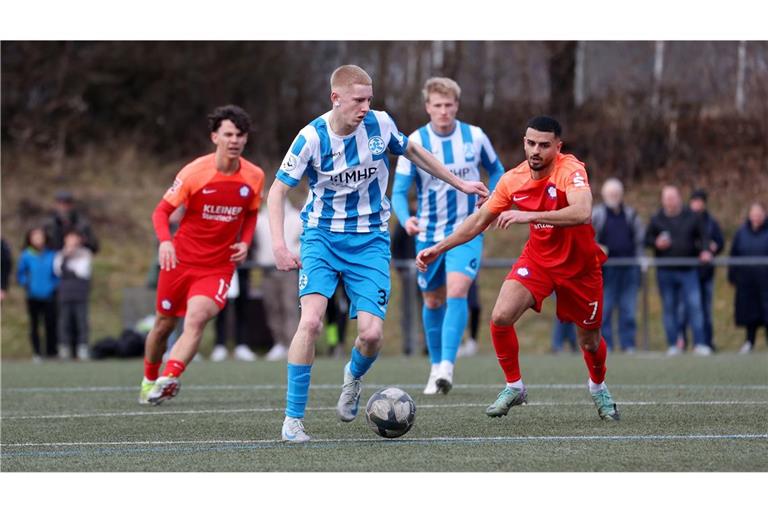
{"x":221,"y":213}
{"x":519,"y":198}
{"x":353,"y":175}
{"x":376,"y":145}
{"x":207,"y":191}
{"x":542,"y":226}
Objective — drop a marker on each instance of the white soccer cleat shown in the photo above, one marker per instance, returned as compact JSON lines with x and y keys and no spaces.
{"x":293,"y":431}
{"x":219,"y":353}
{"x":444,"y":380}
{"x":164,"y":389}
{"x":243,"y":353}
{"x":277,"y":353}
{"x":431,"y":388}
{"x":349,"y":400}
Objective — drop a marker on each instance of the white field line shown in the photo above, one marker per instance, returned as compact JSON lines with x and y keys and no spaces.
{"x":158,"y":411}
{"x":261,"y":387}
{"x":651,"y":437}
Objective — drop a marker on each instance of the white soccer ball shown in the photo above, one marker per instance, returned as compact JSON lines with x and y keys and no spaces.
{"x":390,"y":412}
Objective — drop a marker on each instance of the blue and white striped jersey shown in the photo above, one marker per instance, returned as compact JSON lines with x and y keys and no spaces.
{"x":440,"y":206}
{"x":348,"y":176}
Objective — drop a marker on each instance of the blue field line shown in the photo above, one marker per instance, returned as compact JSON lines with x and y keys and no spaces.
{"x":240,"y":445}
{"x":336,"y":387}
{"x":154,"y":411}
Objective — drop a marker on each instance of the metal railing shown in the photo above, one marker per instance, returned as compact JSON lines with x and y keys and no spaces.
{"x":644,"y":262}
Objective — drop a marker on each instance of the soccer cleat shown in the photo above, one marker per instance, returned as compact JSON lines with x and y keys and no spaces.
{"x":219,"y":353}
{"x":165,"y":388}
{"x":243,"y":353}
{"x":346,"y":408}
{"x":293,"y":431}
{"x":508,"y":398}
{"x":606,"y":407}
{"x":444,"y":380}
{"x":144,"y":389}
{"x":431,"y":388}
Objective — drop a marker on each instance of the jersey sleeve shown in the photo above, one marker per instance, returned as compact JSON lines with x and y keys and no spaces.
{"x":297,"y":160}
{"x":490,"y":161}
{"x":501,"y":198}
{"x":397,"y":143}
{"x":572,"y":176}
{"x":256,"y":181}
{"x":182,"y":186}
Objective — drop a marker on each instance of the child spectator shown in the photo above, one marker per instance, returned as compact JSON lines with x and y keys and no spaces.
{"x":35,"y":275}
{"x":73,"y":265}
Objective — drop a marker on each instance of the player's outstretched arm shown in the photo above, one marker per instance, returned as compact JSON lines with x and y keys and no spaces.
{"x":578,"y":211}
{"x":425,"y":160}
{"x":284,"y":259}
{"x":467,"y":230}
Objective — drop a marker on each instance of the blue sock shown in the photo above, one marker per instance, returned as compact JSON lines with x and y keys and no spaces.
{"x":433,"y":329}
{"x":359,"y":364}
{"x":453,"y":327}
{"x":298,"y":390}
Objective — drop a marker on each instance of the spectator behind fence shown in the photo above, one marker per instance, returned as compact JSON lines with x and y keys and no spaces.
{"x":73,"y":266}
{"x":620,"y":232}
{"x":66,"y":217}
{"x":35,"y":275}
{"x":6,"y":265}
{"x":677,"y":232}
{"x":698,"y":204}
{"x":751,"y":282}
{"x":281,"y":289}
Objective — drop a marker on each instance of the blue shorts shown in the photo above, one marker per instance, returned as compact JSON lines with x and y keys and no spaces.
{"x":465,"y":258}
{"x":361,"y":260}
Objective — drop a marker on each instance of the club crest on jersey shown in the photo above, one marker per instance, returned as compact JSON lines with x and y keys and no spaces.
{"x":376,"y":145}
{"x":552,"y":191}
{"x":289,"y":163}
{"x":244,"y":191}
{"x":469,"y":151}
{"x":303,"y":280}
{"x":422,"y":281}
{"x":166,"y":304}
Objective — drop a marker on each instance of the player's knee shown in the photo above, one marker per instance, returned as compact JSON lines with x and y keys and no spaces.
{"x":433,"y":302}
{"x":311,"y":326}
{"x":164,"y":326}
{"x":589,"y":340}
{"x":501,"y":316}
{"x":371,"y":336}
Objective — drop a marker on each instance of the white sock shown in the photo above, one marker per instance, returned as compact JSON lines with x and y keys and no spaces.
{"x":446,"y":366}
{"x":594,"y":388}
{"x":518,"y":384}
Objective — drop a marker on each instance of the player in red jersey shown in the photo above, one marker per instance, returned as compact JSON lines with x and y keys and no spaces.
{"x":552,"y":195}
{"x":222,"y":193}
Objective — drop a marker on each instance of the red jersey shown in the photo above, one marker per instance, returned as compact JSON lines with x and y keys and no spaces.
{"x":216,"y":205}
{"x":569,"y":250}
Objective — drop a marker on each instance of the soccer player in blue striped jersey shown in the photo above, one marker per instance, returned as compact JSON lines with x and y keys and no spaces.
{"x":445,"y":285}
{"x":343,"y":153}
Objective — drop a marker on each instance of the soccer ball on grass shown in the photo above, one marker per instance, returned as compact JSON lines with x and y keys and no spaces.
{"x":390,"y":412}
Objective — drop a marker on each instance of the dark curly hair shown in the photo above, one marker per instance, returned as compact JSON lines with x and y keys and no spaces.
{"x":237,"y":115}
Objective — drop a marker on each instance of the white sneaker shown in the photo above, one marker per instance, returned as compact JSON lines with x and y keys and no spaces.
{"x":293,"y":431}
{"x":444,"y":380}
{"x":431,"y":388}
{"x":83,"y":353}
{"x":673,"y":351}
{"x":746,"y":348}
{"x":243,"y":353}
{"x":65,"y":352}
{"x":198,"y":357}
{"x":468,"y":348}
{"x":37,"y":359}
{"x":702,"y":350}
{"x":277,"y":353}
{"x":219,"y":353}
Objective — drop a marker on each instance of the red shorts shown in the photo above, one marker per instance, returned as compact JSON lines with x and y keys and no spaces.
{"x":579,"y":298}
{"x":175,"y":287}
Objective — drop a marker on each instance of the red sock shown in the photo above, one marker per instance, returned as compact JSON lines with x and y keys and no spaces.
{"x":151,"y":370}
{"x":505,"y":342}
{"x":596,"y":362}
{"x":174,"y":368}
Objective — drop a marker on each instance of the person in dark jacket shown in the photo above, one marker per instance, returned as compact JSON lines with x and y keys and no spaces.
{"x":35,"y":274}
{"x":6,"y":265}
{"x":751,"y":282}
{"x":65,"y":218}
{"x":620,"y":233}
{"x":698,"y":204}
{"x":73,"y":265}
{"x":677,"y":232}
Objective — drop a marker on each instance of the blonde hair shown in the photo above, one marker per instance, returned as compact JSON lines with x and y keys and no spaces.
{"x":441,"y":85}
{"x":349,"y":74}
